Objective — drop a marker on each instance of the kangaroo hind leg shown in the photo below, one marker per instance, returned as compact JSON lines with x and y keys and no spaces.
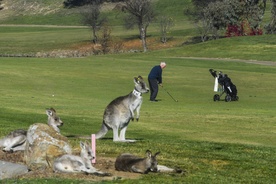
{"x":115,"y":134}
{"x":14,"y":142}
{"x":123,"y":134}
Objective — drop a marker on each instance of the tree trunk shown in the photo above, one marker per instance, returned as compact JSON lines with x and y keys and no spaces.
{"x":143,"y":38}
{"x":95,"y":39}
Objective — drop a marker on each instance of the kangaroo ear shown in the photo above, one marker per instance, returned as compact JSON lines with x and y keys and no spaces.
{"x":87,"y":144}
{"x":136,"y":80}
{"x":82,"y":145}
{"x":157,"y":153}
{"x":49,"y":112}
{"x":148,"y":152}
{"x":52,"y":109}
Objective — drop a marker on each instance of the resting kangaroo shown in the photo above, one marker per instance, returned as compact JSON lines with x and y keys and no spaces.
{"x":53,"y":120}
{"x":77,"y":164}
{"x":132,"y":163}
{"x":120,"y":111}
{"x":16,"y":140}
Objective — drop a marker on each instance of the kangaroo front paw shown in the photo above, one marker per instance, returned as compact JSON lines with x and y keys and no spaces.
{"x":137,"y":119}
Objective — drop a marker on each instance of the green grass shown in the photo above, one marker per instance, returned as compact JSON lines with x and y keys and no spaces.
{"x":217,"y":142}
{"x":22,"y":40}
{"x":25,"y":40}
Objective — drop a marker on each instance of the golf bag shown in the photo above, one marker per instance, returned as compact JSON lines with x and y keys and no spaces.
{"x":226,"y":87}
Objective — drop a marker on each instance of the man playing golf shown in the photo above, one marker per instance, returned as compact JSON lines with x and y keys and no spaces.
{"x":155,"y":78}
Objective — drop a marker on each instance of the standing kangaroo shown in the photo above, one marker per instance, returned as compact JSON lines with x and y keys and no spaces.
{"x":121,"y":110}
{"x":132,"y":163}
{"x":78,"y":164}
{"x":16,"y":140}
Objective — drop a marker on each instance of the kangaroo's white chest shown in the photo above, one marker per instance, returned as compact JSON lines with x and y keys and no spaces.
{"x":136,"y":103}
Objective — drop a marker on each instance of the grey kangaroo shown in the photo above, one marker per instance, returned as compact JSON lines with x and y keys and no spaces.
{"x":78,"y":164}
{"x":120,"y":111}
{"x":16,"y":140}
{"x":132,"y":163}
{"x":53,"y":120}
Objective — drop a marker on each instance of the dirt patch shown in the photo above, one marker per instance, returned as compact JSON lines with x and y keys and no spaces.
{"x":103,"y":164}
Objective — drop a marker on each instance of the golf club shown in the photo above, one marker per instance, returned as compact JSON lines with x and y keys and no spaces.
{"x":169,"y":94}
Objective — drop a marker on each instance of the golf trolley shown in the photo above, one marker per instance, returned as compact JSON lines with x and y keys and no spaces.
{"x":226,"y":86}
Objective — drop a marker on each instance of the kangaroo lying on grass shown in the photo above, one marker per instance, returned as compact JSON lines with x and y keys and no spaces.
{"x":16,"y":140}
{"x":132,"y":163}
{"x":78,"y":164}
{"x":120,"y":111}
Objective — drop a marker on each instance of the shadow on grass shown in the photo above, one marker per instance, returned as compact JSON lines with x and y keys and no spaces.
{"x":105,"y":138}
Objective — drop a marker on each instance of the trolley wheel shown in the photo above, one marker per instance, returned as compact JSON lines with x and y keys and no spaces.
{"x":216,"y":97}
{"x":227,"y":98}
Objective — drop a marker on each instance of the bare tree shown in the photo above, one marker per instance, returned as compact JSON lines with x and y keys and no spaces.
{"x":91,"y":14}
{"x":140,"y":13}
{"x":166,"y":23}
{"x":105,"y":39}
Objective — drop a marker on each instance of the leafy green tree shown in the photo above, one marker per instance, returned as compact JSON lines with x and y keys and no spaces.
{"x":217,"y":15}
{"x":271,"y":27}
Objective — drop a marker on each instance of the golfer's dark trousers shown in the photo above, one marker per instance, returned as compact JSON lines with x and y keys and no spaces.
{"x":153,"y":88}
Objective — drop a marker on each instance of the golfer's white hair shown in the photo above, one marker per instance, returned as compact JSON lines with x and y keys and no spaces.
{"x":163,"y":63}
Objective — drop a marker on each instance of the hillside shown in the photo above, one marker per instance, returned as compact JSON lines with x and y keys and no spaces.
{"x":67,"y":33}
{"x":12,"y":8}
{"x":52,"y":12}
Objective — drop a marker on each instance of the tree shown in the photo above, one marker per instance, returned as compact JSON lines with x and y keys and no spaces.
{"x":220,"y":14}
{"x":209,"y":17}
{"x":75,"y":3}
{"x":105,"y":38}
{"x":140,"y":13}
{"x":271,"y":27}
{"x":166,"y":23}
{"x":91,"y":14}
{"x":1,"y":7}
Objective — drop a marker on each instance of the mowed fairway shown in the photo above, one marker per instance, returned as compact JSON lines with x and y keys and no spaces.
{"x":215,"y":142}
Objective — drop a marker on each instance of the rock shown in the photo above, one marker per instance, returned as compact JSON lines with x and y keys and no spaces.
{"x":43,"y":145}
{"x":11,"y":170}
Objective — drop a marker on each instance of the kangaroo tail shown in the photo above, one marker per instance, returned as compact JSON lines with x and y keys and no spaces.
{"x":102,"y":131}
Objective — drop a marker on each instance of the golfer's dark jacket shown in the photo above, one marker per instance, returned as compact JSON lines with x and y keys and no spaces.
{"x":156,"y":73}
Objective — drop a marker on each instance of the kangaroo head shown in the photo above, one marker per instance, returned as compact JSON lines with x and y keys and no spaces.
{"x":53,"y":120}
{"x":152,"y":161}
{"x":86,"y":151}
{"x":140,"y":85}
